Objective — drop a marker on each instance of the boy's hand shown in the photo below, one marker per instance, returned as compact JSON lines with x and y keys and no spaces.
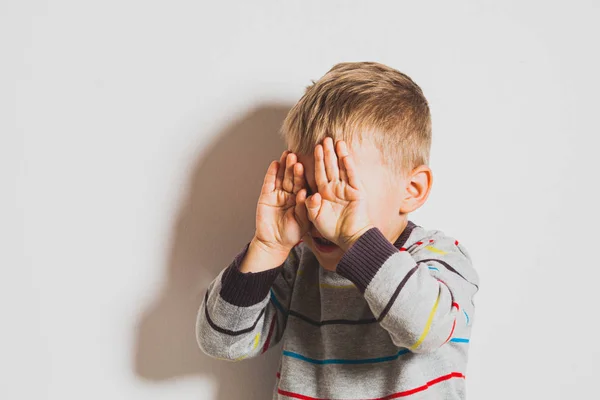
{"x":339,"y":209}
{"x":281,"y":217}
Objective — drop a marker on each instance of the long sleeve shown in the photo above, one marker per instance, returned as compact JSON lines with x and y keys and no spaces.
{"x":240,"y":315}
{"x":422,"y":295}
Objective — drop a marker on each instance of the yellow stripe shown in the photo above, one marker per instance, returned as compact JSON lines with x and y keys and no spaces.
{"x":435,"y":250}
{"x":328,"y":286}
{"x":428,"y":324}
{"x":256,"y":341}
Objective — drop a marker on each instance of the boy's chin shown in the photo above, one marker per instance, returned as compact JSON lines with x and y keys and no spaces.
{"x":328,"y":267}
{"x":328,"y":260}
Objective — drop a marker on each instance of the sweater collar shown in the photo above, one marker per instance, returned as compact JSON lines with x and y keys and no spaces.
{"x":405,"y":234}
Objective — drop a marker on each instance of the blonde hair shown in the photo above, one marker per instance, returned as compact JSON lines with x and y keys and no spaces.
{"x":364,"y":100}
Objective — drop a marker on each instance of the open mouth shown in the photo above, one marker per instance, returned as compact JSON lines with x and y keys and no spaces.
{"x":323,"y":241}
{"x":324,"y":245}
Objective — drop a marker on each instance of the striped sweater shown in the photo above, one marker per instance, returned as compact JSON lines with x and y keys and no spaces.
{"x":394,"y":320}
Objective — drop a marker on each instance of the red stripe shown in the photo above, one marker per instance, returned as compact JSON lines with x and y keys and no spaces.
{"x":451,"y":332}
{"x":296,"y":395}
{"x":266,"y":346}
{"x":456,"y":305}
{"x":456,"y":242}
{"x":402,"y":249}
{"x":391,"y":396}
{"x":278,"y":375}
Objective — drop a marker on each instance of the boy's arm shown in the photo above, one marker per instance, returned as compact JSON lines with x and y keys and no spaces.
{"x":238,"y":317}
{"x":422,"y":296}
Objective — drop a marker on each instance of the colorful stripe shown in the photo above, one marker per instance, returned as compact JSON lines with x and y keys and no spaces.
{"x":344,"y":361}
{"x":449,"y":268}
{"x":435,"y":249}
{"x":467,"y":316}
{"x":276,"y":302}
{"x":403,"y":351}
{"x":428,"y":324}
{"x":391,"y":396}
{"x":268,"y":341}
{"x":254,"y":346}
{"x":434,"y":269}
{"x":451,"y":331}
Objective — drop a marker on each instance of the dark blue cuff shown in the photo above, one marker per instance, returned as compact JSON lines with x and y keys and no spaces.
{"x":365,"y":257}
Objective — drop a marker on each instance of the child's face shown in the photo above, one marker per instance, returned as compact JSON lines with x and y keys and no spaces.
{"x":384,"y":200}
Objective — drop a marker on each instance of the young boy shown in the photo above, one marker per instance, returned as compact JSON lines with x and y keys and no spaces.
{"x":368,"y":304}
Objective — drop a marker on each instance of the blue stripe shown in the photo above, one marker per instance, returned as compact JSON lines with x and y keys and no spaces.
{"x":460,"y":340}
{"x":276,"y":302}
{"x":466,"y":316}
{"x":434,"y":268}
{"x":343,"y":361}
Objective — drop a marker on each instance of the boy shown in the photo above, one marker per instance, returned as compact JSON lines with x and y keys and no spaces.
{"x":368,"y":304}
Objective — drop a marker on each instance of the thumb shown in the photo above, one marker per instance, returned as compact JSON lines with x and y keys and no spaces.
{"x":313,"y":206}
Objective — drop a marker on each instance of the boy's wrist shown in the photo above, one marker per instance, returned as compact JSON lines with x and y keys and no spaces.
{"x":261,"y":257}
{"x":244,"y":289}
{"x":346,"y":244}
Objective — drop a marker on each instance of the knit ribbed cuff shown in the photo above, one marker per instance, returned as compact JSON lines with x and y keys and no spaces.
{"x":365,"y":257}
{"x":246,"y":289}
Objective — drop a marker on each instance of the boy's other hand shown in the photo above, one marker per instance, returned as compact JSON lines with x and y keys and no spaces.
{"x":281,"y":216}
{"x":339,"y":209}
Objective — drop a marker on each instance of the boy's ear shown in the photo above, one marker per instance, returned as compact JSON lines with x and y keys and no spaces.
{"x":417,"y":186}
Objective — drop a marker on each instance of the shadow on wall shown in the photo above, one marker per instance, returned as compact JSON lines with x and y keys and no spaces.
{"x":214,"y":222}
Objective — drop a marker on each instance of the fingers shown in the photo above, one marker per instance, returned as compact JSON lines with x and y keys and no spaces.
{"x":350,"y":168}
{"x":270,"y":177}
{"x":281,"y":170}
{"x":288,"y":179}
{"x":313,"y":205}
{"x":320,"y":174}
{"x":331,"y":162}
{"x":300,"y":209}
{"x":342,"y":151}
{"x":299,"y":180}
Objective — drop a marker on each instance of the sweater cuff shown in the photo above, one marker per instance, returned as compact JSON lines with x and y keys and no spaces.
{"x":365,"y":257}
{"x":246,"y":289}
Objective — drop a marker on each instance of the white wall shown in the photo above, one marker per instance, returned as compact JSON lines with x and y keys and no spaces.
{"x":133,"y":140}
